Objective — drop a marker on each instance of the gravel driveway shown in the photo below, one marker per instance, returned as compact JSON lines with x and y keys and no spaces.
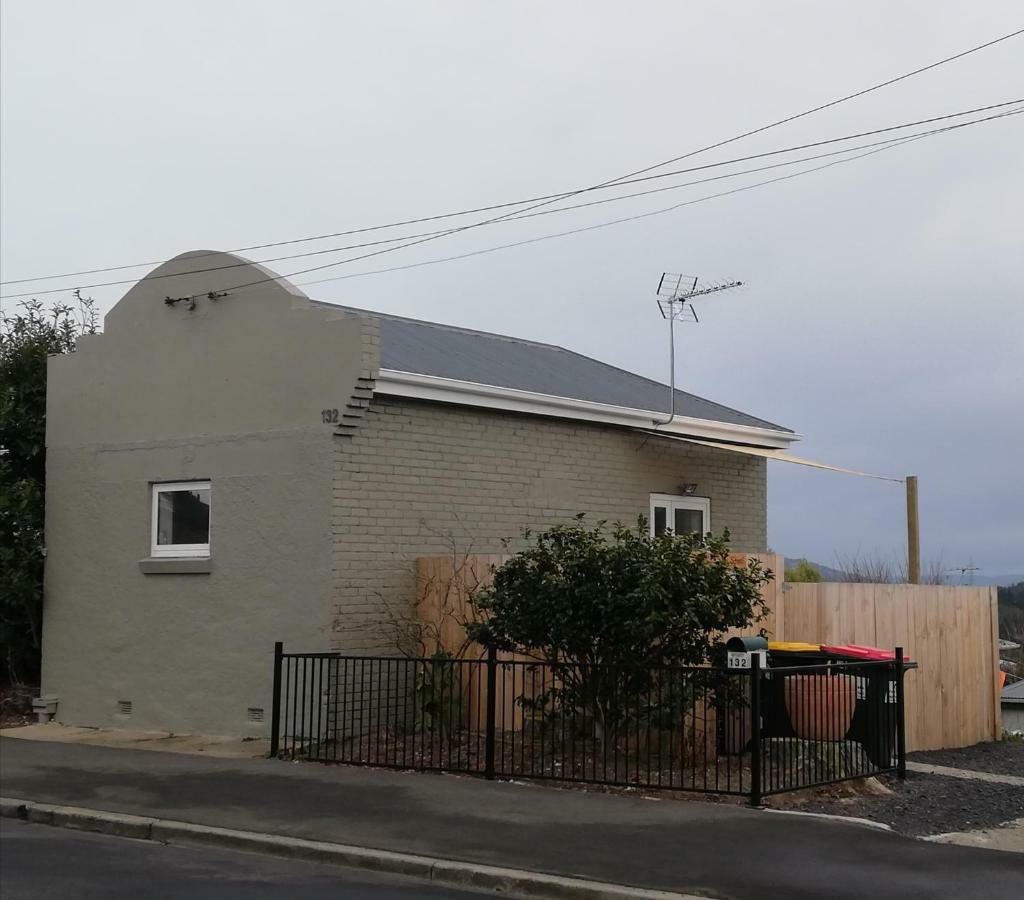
{"x":931,"y":804}
{"x":937,"y":804}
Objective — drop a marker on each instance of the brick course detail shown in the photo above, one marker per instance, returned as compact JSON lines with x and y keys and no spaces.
{"x":416,"y":478}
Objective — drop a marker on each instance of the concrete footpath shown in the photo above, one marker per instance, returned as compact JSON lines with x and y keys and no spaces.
{"x":708,"y":849}
{"x":969,"y":774}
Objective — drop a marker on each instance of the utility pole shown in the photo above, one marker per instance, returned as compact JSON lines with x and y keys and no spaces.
{"x":913,"y":533}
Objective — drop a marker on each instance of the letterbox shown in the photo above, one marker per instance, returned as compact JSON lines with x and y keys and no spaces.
{"x":740,"y":651}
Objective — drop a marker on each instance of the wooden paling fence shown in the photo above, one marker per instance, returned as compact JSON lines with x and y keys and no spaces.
{"x":952,"y":699}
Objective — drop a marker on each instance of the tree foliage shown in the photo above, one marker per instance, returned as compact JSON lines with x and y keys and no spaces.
{"x":1011,"y":597}
{"x":27,"y":338}
{"x":611,"y":609}
{"x":1011,"y":620}
{"x":803,"y":571}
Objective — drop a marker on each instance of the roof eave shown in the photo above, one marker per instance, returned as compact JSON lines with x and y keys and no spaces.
{"x":415,"y":386}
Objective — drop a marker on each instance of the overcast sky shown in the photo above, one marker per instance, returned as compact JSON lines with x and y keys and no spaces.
{"x":883,"y":317}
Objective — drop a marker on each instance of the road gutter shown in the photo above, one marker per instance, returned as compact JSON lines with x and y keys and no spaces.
{"x":454,"y":873}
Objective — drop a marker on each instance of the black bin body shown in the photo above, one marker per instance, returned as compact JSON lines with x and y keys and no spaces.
{"x":874,"y":718}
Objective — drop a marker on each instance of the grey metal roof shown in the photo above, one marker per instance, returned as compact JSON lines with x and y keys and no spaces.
{"x":1014,"y":693}
{"x":446,"y":351}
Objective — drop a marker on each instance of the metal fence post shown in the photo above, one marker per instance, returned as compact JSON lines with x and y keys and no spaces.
{"x":275,"y":705}
{"x":492,"y":681}
{"x":755,"y":729}
{"x":901,"y":720}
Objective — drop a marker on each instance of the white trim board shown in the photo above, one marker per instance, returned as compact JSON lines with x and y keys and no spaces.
{"x":466,"y":393}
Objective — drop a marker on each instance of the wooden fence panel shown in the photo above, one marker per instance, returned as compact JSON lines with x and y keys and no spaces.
{"x":951,"y":696}
{"x":950,"y":632}
{"x":803,"y":611}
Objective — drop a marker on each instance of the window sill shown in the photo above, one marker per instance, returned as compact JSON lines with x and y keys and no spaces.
{"x":170,"y":565}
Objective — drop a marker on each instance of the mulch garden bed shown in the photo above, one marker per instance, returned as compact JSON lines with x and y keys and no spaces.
{"x":926,"y":804}
{"x":543,"y":757}
{"x":997,"y":757}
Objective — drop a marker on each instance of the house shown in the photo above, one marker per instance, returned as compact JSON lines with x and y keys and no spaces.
{"x":1012,"y":702}
{"x":231,"y":463}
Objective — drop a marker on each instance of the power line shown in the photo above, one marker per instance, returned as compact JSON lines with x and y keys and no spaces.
{"x":564,"y":195}
{"x":460,"y":229}
{"x":831,"y":103}
{"x":646,"y":215}
{"x":808,"y":146}
{"x":646,"y":169}
{"x":414,"y":239}
{"x":885,"y":144}
{"x":514,"y":218}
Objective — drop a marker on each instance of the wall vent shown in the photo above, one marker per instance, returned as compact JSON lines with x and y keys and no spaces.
{"x":124,"y":707}
{"x":255,"y":713}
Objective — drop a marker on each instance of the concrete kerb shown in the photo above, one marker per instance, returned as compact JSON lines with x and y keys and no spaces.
{"x":117,"y":824}
{"x":845,"y":820}
{"x":515,"y":882}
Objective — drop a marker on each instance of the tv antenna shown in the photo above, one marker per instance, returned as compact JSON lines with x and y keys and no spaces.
{"x":676,"y":294}
{"x":965,"y":572}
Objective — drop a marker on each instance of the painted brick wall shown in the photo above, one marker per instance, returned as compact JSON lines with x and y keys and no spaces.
{"x":414,"y":478}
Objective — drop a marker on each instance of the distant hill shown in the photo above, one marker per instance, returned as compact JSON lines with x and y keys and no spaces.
{"x":989,"y":580}
{"x":979,"y":580}
{"x":827,"y":572}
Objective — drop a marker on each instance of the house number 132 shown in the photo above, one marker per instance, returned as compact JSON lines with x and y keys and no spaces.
{"x":329,"y":416}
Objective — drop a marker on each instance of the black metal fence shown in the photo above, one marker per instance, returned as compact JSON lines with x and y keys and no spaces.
{"x":751,"y":732}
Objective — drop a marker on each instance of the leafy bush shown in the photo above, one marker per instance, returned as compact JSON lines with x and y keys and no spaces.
{"x":611,"y":608}
{"x":26,"y":340}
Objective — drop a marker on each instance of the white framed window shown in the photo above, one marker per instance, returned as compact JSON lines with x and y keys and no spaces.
{"x":679,"y":514}
{"x":181,"y":519}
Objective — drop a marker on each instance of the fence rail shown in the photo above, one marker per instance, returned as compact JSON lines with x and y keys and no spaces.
{"x":749,"y":732}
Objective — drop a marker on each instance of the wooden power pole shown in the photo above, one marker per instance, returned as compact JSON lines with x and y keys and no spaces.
{"x":913,"y":533}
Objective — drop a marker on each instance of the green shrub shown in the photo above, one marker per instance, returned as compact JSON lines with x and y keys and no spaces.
{"x":803,"y":571}
{"x":611,"y":608}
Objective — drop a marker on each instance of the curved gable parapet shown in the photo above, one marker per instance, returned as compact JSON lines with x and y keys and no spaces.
{"x":215,"y":359}
{"x":198,"y":274}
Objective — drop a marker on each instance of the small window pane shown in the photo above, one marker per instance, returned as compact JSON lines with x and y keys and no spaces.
{"x":660,"y":518}
{"x":183,"y":517}
{"x":688,"y":520}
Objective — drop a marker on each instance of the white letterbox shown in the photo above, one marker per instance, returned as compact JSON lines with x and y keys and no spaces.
{"x":740,"y":652}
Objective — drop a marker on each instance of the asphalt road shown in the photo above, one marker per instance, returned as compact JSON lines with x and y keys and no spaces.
{"x":37,"y":861}
{"x":715,"y":849}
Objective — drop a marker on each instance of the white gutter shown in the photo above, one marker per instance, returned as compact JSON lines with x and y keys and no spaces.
{"x":467,"y":393}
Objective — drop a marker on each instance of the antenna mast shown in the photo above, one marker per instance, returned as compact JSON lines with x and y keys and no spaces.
{"x":674,"y":293}
{"x":966,"y":571}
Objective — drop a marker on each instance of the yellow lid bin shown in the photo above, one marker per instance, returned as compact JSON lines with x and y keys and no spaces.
{"x":793,"y":647}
